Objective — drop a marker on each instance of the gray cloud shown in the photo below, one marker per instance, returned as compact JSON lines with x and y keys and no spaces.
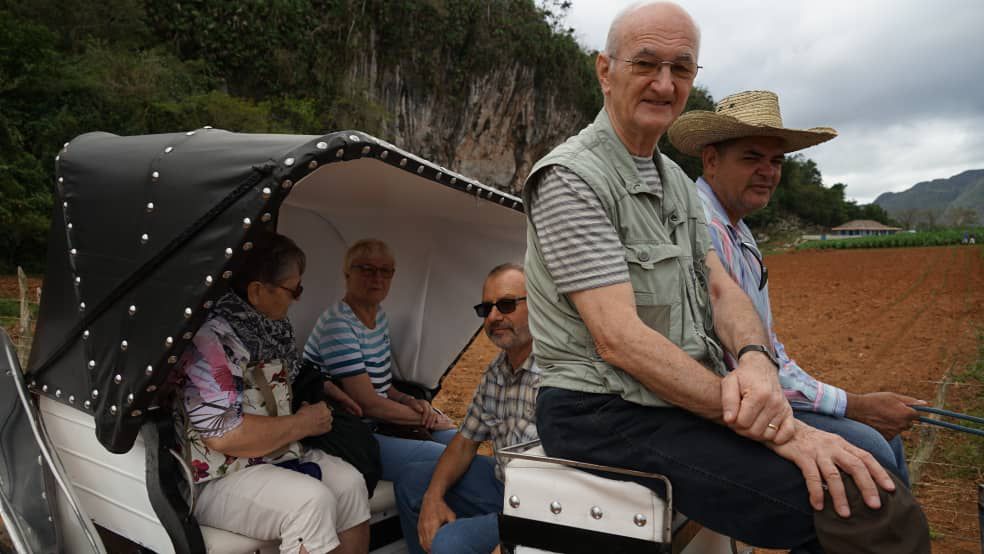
{"x":902,"y":81}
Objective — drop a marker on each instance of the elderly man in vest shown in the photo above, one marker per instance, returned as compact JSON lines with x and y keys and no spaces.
{"x":622,"y":283}
{"x":452,"y":507}
{"x":742,"y":145}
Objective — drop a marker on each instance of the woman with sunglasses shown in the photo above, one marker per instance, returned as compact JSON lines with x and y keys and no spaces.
{"x":243,"y":438}
{"x":351,"y":344}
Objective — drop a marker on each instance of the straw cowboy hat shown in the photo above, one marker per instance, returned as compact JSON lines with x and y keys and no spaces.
{"x":753,"y":113}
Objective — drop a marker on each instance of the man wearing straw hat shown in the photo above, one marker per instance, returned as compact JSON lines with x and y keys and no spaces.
{"x":621,"y":286}
{"x":742,"y":144}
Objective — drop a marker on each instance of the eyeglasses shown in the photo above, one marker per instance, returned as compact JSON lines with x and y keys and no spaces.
{"x":764,"y":271}
{"x":650,"y":67}
{"x":504,"y":305}
{"x":372,"y":271}
{"x":296,"y":293}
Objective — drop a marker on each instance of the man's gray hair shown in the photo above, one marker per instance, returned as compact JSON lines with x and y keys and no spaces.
{"x":502,"y":268}
{"x":614,"y":31}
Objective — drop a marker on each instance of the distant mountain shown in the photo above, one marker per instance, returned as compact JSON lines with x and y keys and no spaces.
{"x":939,"y":202}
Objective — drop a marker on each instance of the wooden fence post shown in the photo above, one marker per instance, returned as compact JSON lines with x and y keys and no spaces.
{"x":24,"y":324}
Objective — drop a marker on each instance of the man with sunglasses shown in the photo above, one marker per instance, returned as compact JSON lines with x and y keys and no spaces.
{"x":742,"y":145}
{"x":453,"y":506}
{"x":622,"y":285}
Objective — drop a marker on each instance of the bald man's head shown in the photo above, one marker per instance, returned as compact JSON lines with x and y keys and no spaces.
{"x":664,"y":9}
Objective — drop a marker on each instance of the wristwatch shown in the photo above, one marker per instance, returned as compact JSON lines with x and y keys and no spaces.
{"x":759,"y":348}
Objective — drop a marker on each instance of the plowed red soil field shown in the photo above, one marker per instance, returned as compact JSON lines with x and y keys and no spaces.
{"x":866,"y":320}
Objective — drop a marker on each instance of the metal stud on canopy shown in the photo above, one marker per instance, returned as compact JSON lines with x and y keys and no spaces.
{"x":150,"y":207}
{"x":118,"y":379}
{"x":124,"y":345}
{"x":155,"y":176}
{"x":144,"y":238}
{"x":286,"y":184}
{"x":247,"y":222}
{"x":313,"y":164}
{"x":339,"y":153}
{"x":149,"y":370}
{"x":321,"y":145}
{"x":289,"y":162}
{"x":267,"y":192}
{"x":266,"y":217}
{"x":169,"y":149}
{"x":132,"y":310}
{"x":168,"y":341}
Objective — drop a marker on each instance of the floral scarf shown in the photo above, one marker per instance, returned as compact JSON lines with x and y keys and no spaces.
{"x":265,"y":338}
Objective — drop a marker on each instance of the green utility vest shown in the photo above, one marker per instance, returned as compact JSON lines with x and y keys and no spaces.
{"x":665,"y":244}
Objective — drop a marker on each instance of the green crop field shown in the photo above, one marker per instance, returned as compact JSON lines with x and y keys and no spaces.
{"x":898,"y":240}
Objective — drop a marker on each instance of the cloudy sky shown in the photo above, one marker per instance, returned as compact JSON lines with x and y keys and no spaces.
{"x":901,"y":80}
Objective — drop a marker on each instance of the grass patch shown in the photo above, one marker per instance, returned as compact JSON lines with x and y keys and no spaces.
{"x":10,"y":308}
{"x":966,"y":452}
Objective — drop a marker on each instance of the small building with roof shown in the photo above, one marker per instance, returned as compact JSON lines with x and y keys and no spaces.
{"x":863,"y":228}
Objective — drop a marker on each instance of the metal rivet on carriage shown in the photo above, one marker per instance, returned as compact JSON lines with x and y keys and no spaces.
{"x":596,"y":512}
{"x":71,"y":399}
{"x":420,"y":170}
{"x":403,"y":162}
{"x":81,"y":305}
{"x":313,"y":164}
{"x":439,"y":176}
{"x":149,"y":370}
{"x":468,"y":188}
{"x":57,"y":393}
{"x":353,"y":137}
{"x":339,"y":153}
{"x":69,"y":226}
{"x":118,"y":379}
{"x":144,"y":238}
{"x":129,"y":399}
{"x":289,"y":162}
{"x":247,"y":222}
{"x":515,"y":204}
{"x":186,"y":336}
{"x":187,"y":313}
{"x":87,"y":404}
{"x":189,"y":133}
{"x":40,"y":460}
{"x":384,"y":154}
{"x":208,"y":280}
{"x":61,"y":180}
{"x":123,"y":345}
{"x":78,"y":280}
{"x":73,"y":251}
{"x":85,"y":334}
{"x":228,"y":252}
{"x":132,"y":310}
{"x":44,"y":388}
{"x":266,"y":217}
{"x":65,"y":205}
{"x":65,"y":145}
{"x":172,"y":359}
{"x":365,"y":150}
{"x":57,"y":157}
{"x":514,"y":501}
{"x":151,"y":388}
{"x":555,"y":507}
{"x":639,"y":520}
{"x":169,"y":149}
{"x":266,"y":192}
{"x":454,"y":180}
{"x":95,"y":394}
{"x":136,"y":413}
{"x":150,"y":207}
{"x":286,"y":184}
{"x":321,"y":145}
{"x":168,"y":341}
{"x":226,"y":274}
{"x":155,"y":175}
{"x":112,"y":409}
{"x":247,"y":246}
{"x":92,"y":364}
{"x":502,"y":199}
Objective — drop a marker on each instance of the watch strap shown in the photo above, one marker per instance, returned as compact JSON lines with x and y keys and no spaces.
{"x":758,"y":348}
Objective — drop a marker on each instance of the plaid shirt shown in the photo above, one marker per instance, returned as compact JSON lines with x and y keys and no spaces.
{"x":504,"y":406}
{"x":803,"y":391}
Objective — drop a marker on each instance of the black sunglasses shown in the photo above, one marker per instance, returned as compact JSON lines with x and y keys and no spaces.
{"x":296,"y":293}
{"x":504,"y":305}
{"x":758,"y":258}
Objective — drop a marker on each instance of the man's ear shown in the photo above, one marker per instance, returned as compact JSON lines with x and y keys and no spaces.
{"x":603,"y":65}
{"x":709,"y":156}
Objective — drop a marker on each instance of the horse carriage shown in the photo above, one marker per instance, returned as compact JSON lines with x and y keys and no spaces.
{"x":146,"y":233}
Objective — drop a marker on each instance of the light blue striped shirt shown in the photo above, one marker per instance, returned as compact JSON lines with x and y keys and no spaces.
{"x":341,"y":346}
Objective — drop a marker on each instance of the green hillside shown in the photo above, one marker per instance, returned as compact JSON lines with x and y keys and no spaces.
{"x":956,"y":201}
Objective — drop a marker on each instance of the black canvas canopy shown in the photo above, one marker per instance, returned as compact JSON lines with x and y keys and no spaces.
{"x":147,"y":230}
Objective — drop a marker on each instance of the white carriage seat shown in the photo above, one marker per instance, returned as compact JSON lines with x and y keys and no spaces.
{"x":382,"y":505}
{"x":557,"y":494}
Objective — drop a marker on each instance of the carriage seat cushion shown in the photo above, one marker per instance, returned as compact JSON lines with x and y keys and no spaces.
{"x":218,"y":541}
{"x":534,"y":489}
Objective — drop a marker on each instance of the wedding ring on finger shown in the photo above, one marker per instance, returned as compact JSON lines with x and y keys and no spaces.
{"x":773,"y":426}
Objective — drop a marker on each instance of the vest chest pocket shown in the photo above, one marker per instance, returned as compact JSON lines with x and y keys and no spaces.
{"x":654,"y":270}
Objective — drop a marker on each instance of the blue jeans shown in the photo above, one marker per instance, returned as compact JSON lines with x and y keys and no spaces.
{"x":730,"y":484}
{"x":888,"y":453}
{"x":476,"y":500}
{"x":395,"y":453}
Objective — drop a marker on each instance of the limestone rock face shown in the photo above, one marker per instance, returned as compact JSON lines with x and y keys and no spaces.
{"x":503,"y":127}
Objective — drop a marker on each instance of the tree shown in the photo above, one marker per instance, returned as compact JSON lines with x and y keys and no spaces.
{"x":963,"y":216}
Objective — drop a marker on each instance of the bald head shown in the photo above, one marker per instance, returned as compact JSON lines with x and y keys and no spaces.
{"x":669,"y":11}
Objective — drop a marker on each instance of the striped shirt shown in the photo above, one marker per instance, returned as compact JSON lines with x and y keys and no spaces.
{"x":341,"y":346}
{"x":580,"y":245}
{"x":803,"y":391}
{"x":503,"y":408}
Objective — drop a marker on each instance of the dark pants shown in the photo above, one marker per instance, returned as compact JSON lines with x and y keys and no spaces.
{"x":725,"y":482}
